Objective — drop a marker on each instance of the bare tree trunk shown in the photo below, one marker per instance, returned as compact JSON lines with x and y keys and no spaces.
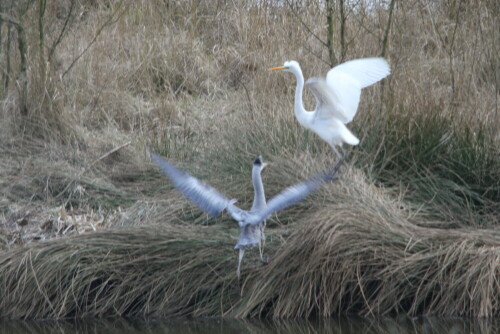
{"x":330,"y":9}
{"x":7,"y":69}
{"x":343,"y":19}
{"x":23,"y":50}
{"x":23,"y":76}
{"x":1,"y":44}
{"x":6,"y":72}
{"x":385,"y":42}
{"x":385,"y":48}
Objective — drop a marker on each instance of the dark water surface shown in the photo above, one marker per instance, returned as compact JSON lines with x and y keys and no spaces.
{"x":344,"y":325}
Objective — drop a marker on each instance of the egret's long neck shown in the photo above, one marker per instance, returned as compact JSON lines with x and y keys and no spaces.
{"x":259,"y":197}
{"x":300,"y":111}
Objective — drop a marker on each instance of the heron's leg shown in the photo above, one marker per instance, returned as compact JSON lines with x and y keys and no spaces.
{"x":240,"y":257}
{"x":262,"y":242}
{"x":261,"y":250}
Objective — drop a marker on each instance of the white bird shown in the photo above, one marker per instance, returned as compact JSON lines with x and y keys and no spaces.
{"x":251,"y":222}
{"x":337,"y":97}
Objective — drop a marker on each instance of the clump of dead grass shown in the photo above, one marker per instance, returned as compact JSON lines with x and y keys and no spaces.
{"x":424,"y":325}
{"x":141,"y":272}
{"x":355,"y":251}
{"x":352,"y":256}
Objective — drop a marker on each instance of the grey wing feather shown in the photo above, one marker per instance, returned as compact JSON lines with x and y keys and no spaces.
{"x":294,"y":194}
{"x":235,"y":212}
{"x":203,"y":195}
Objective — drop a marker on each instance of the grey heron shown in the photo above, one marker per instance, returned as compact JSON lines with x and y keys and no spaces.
{"x":251,"y":222}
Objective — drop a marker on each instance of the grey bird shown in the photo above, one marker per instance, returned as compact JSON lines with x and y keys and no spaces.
{"x":251,"y":222}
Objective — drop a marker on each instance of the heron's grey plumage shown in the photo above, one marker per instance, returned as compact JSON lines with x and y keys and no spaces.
{"x":252,"y":222}
{"x":206,"y":197}
{"x":259,"y":199}
{"x":291,"y":195}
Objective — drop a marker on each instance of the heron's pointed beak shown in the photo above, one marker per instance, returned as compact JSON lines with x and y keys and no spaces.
{"x":279,"y":68}
{"x":264,"y":164}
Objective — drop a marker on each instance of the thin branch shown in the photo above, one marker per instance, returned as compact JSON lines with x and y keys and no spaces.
{"x":63,"y":30}
{"x":110,"y":21}
{"x":10,"y":19}
{"x":316,"y":55}
{"x":304,"y":24}
{"x":368,"y":30}
{"x":452,"y":43}
{"x":92,"y":164}
{"x":248,"y":98}
{"x":41,"y":36}
{"x":107,"y":154}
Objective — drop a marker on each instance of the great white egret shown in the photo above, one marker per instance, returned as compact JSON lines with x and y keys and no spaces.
{"x":251,"y":222}
{"x":337,"y":97}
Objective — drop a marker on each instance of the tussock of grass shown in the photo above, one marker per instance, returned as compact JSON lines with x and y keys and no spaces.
{"x":425,"y":325}
{"x":146,"y":272}
{"x":355,"y":251}
{"x":352,"y":256}
{"x":451,"y":168}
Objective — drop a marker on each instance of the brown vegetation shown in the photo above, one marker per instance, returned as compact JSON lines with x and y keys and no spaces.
{"x":412,"y":226}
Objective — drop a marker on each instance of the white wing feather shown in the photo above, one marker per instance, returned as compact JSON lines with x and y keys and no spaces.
{"x":346,"y":81}
{"x":326,"y":101}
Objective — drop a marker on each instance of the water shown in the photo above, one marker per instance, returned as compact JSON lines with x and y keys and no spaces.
{"x":344,"y":325}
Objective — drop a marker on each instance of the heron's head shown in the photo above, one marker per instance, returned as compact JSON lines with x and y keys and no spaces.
{"x":288,"y":66}
{"x":259,"y":163}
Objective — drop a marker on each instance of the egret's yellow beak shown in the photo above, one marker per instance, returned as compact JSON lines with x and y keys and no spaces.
{"x":279,"y":68}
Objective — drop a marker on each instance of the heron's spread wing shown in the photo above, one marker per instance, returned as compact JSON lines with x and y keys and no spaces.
{"x":346,"y":81}
{"x":206,"y":197}
{"x":294,"y":194}
{"x":327,"y":103}
{"x":235,"y":212}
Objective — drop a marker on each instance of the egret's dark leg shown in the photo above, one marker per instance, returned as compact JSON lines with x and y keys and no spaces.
{"x":336,"y":151}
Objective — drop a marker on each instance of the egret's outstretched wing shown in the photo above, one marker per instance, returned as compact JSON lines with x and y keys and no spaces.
{"x":326,"y":101}
{"x":206,"y":197}
{"x":346,"y":81}
{"x":293,"y":194}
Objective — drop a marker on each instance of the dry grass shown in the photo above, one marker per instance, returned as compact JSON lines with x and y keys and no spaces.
{"x":355,"y":252}
{"x":148,"y":272}
{"x":426,"y":325}
{"x":352,"y":256}
{"x":413,"y":227}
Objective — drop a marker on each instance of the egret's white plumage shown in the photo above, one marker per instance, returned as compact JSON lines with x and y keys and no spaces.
{"x":337,"y":97}
{"x":251,"y":222}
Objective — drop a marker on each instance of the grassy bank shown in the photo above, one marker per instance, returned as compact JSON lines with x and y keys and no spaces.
{"x":410,"y":227}
{"x":352,"y":251}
